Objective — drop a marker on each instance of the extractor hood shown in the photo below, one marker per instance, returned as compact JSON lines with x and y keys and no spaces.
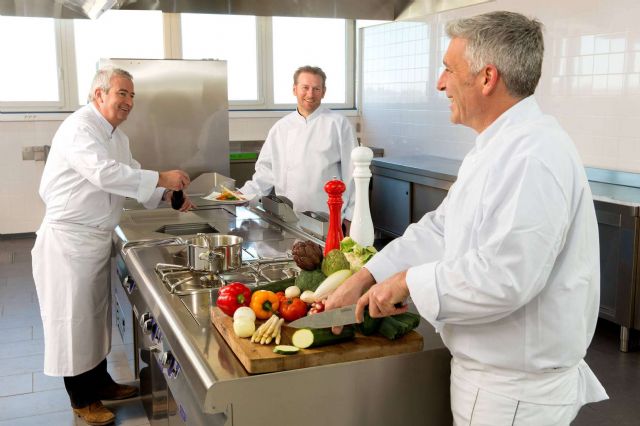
{"x":387,"y":10}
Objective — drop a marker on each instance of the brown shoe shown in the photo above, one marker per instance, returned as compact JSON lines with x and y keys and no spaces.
{"x":95,"y":414}
{"x":117,"y":391}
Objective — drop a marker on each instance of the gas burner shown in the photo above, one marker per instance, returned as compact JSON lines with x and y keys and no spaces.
{"x":182,"y":280}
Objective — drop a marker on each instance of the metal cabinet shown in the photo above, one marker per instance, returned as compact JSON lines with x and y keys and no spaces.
{"x":390,"y":204}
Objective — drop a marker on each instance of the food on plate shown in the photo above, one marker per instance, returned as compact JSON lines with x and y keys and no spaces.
{"x":314,"y":337}
{"x":264,"y":303}
{"x":229,"y":195}
{"x":270,"y":330}
{"x":232,"y":296}
{"x":244,"y":312}
{"x":334,"y":261}
{"x":332,"y":282}
{"x":286,"y":350}
{"x":244,"y":327}
{"x":310,"y":280}
{"x":307,"y":255}
{"x":292,"y":309}
{"x":356,"y":254}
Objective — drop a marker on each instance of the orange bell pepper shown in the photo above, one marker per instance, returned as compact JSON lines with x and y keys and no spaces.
{"x":264,"y":303}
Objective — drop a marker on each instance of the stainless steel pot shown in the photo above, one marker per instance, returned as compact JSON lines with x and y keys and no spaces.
{"x":214,"y":253}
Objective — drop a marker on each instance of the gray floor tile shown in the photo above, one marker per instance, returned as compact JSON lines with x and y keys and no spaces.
{"x":21,"y":349}
{"x":21,"y":365}
{"x":32,"y":320}
{"x":33,"y":404}
{"x":16,"y":385}
{"x":16,"y":334}
{"x":129,"y":412}
{"x":42,"y":382}
{"x":61,"y":418}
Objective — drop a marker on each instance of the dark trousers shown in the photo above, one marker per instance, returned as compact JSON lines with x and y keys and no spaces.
{"x":83,"y":389}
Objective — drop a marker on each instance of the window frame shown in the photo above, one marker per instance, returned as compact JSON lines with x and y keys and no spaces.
{"x":67,"y":77}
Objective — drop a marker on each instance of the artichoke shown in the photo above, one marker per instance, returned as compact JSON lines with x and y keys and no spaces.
{"x":307,"y":255}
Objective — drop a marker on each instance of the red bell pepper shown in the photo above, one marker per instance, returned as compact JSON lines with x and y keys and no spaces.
{"x":232,"y":296}
{"x":292,"y":309}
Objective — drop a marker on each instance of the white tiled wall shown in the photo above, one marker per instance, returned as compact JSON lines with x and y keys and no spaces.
{"x":590,"y":81}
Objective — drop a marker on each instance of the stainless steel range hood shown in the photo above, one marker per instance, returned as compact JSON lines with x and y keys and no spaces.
{"x":349,"y":9}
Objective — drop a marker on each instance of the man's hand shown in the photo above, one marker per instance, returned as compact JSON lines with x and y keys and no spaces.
{"x":385,"y":298}
{"x":349,"y":292}
{"x":173,"y":179}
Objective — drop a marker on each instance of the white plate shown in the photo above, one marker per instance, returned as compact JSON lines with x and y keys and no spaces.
{"x":244,"y":199}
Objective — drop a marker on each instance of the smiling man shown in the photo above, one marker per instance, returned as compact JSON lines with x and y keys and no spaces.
{"x":305,"y":149}
{"x":506,"y":268}
{"x":87,"y":176}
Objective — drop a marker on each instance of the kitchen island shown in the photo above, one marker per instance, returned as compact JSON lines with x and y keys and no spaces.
{"x":190,"y":375}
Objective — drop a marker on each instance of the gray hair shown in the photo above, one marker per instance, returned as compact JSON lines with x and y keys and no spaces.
{"x":510,"y":41}
{"x":102,"y":79}
{"x":311,"y":70}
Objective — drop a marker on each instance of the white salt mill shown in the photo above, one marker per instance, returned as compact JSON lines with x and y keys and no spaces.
{"x":361,"y":226}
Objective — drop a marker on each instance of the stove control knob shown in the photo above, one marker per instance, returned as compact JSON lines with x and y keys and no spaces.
{"x":174,"y":369}
{"x":146,"y":322}
{"x":166,"y":359}
{"x":129,"y":284}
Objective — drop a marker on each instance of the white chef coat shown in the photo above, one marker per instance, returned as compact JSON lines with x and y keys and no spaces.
{"x":300,"y":155}
{"x":507,"y":267}
{"x":88,"y":173}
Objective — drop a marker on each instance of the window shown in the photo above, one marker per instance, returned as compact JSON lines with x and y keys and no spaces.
{"x":116,"y":34}
{"x":228,"y":37}
{"x":29,"y":71}
{"x":309,"y":41}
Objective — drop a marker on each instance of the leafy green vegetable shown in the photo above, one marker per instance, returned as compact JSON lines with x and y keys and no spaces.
{"x":309,"y":280}
{"x":356,"y":254}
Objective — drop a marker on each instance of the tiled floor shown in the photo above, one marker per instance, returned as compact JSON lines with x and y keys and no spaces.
{"x":29,"y":398}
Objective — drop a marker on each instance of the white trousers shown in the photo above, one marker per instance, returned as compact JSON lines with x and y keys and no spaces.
{"x":472,"y":406}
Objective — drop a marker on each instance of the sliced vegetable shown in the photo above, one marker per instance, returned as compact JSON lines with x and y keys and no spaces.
{"x":244,"y":312}
{"x":264,"y":303}
{"x":310,"y":338}
{"x":286,"y":350}
{"x":292,"y":309}
{"x":291,"y":292}
{"x":310,"y":280}
{"x":232,"y":296}
{"x":331,"y":283}
{"x":276,"y":286}
{"x":244,"y":327}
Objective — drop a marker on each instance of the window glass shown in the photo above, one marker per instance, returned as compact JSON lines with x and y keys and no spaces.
{"x":116,"y":34}
{"x":228,"y":37}
{"x":309,"y":41}
{"x":29,"y":70}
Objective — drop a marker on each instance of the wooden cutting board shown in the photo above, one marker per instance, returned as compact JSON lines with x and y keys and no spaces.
{"x":258,"y":358}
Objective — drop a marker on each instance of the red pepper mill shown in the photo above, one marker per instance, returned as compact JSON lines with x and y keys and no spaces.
{"x":334,"y":188}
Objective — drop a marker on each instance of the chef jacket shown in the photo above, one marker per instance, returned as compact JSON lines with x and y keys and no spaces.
{"x":507,"y":267}
{"x":88,"y":173}
{"x":301,"y":154}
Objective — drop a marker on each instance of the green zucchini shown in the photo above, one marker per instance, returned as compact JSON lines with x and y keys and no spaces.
{"x":276,"y":286}
{"x":409,"y":318}
{"x":392,"y":328}
{"x":314,"y":337}
{"x":286,"y":350}
{"x":369,"y":325}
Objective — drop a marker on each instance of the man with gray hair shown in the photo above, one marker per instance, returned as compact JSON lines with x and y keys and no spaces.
{"x":507,"y":267}
{"x":87,"y":176}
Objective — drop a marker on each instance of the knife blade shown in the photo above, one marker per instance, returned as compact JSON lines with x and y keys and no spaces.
{"x":332,"y":318}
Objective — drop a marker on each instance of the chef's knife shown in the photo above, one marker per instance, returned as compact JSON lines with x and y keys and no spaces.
{"x":332,"y":318}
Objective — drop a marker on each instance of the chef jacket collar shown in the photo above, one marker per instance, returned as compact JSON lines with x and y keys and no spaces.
{"x":103,"y":121}
{"x":524,"y":110}
{"x":311,"y":116}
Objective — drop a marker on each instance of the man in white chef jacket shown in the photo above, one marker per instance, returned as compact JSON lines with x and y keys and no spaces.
{"x":306,"y":149}
{"x":507,"y":267}
{"x":88,"y":174}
